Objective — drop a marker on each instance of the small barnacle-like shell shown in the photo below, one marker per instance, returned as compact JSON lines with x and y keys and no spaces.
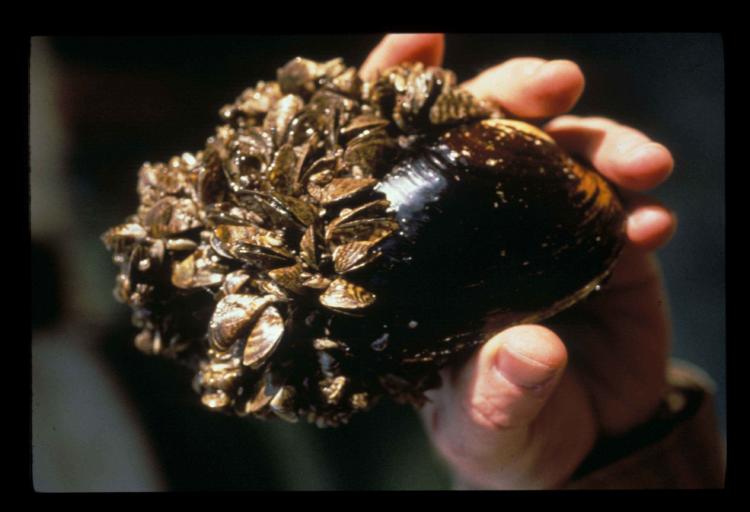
{"x":122,"y":237}
{"x":281,"y":171}
{"x":325,"y":344}
{"x":180,"y":245}
{"x":341,"y":189}
{"x":420,"y":91}
{"x":360,"y":401}
{"x":360,"y":124}
{"x":197,"y":270}
{"x":149,"y":341}
{"x":251,"y":153}
{"x":234,"y":281}
{"x":354,"y":255}
{"x":250,"y":243}
{"x":456,"y":106}
{"x":217,"y":380}
{"x":220,"y":373}
{"x":264,"y":338}
{"x":302,"y":212}
{"x":281,"y":114}
{"x":369,"y":153}
{"x":347,"y":83}
{"x":171,"y":216}
{"x":343,"y":295}
{"x":227,"y":213}
{"x":216,"y":399}
{"x":270,"y":288}
{"x":326,"y":113}
{"x":264,"y":391}
{"x":324,"y":168}
{"x":283,"y":402}
{"x":317,"y":282}
{"x":232,"y":315}
{"x":148,"y":183}
{"x":333,"y":388}
{"x":122,"y":289}
{"x":289,"y":277}
{"x":252,"y":104}
{"x":272,"y":207}
{"x":308,"y":247}
{"x":371,"y":230}
{"x":298,"y":76}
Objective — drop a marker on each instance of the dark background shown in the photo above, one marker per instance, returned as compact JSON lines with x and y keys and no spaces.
{"x":102,"y":106}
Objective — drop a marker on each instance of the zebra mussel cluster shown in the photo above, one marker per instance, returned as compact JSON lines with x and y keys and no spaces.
{"x":339,"y":240}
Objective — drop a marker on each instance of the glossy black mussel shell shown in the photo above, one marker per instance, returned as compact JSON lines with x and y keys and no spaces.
{"x":497,"y":226}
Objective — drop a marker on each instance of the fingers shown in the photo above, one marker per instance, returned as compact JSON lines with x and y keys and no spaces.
{"x":516,"y":376}
{"x":623,"y":154}
{"x":650,"y":224}
{"x":530,"y":87}
{"x":534,"y":88}
{"x":480,"y":419}
{"x":397,"y":48}
{"x":631,"y":160}
{"x":526,"y":87}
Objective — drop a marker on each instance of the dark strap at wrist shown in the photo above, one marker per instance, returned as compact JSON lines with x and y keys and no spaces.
{"x":679,"y":448}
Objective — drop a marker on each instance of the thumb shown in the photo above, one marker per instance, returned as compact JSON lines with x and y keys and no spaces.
{"x":480,"y":419}
{"x":516,"y":374}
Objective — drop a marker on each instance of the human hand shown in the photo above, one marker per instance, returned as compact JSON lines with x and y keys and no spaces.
{"x":527,"y":408}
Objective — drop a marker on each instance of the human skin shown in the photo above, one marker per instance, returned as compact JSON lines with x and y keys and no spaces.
{"x":530,"y":404}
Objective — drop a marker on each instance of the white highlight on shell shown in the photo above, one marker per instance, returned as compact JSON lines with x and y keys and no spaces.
{"x":409,"y":190}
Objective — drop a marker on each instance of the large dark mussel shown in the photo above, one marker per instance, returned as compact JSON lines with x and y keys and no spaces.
{"x":338,"y":241}
{"x":497,"y":225}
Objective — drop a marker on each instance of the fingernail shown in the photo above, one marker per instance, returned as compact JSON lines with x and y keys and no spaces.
{"x":650,"y":150}
{"x":645,"y":217}
{"x":646,"y":148}
{"x":533,"y":68}
{"x":630,"y":146}
{"x":547,"y":69}
{"x":524,"y":371}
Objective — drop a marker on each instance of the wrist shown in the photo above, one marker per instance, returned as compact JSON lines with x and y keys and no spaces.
{"x":679,"y":447}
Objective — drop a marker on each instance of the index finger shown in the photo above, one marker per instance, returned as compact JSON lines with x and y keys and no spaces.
{"x":623,"y":154}
{"x":530,"y":87}
{"x":397,"y":48}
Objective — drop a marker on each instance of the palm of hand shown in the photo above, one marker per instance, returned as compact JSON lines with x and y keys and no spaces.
{"x":618,"y":344}
{"x":514,"y":415}
{"x":497,"y":433}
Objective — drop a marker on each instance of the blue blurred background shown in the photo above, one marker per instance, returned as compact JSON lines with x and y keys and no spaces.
{"x":106,"y":417}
